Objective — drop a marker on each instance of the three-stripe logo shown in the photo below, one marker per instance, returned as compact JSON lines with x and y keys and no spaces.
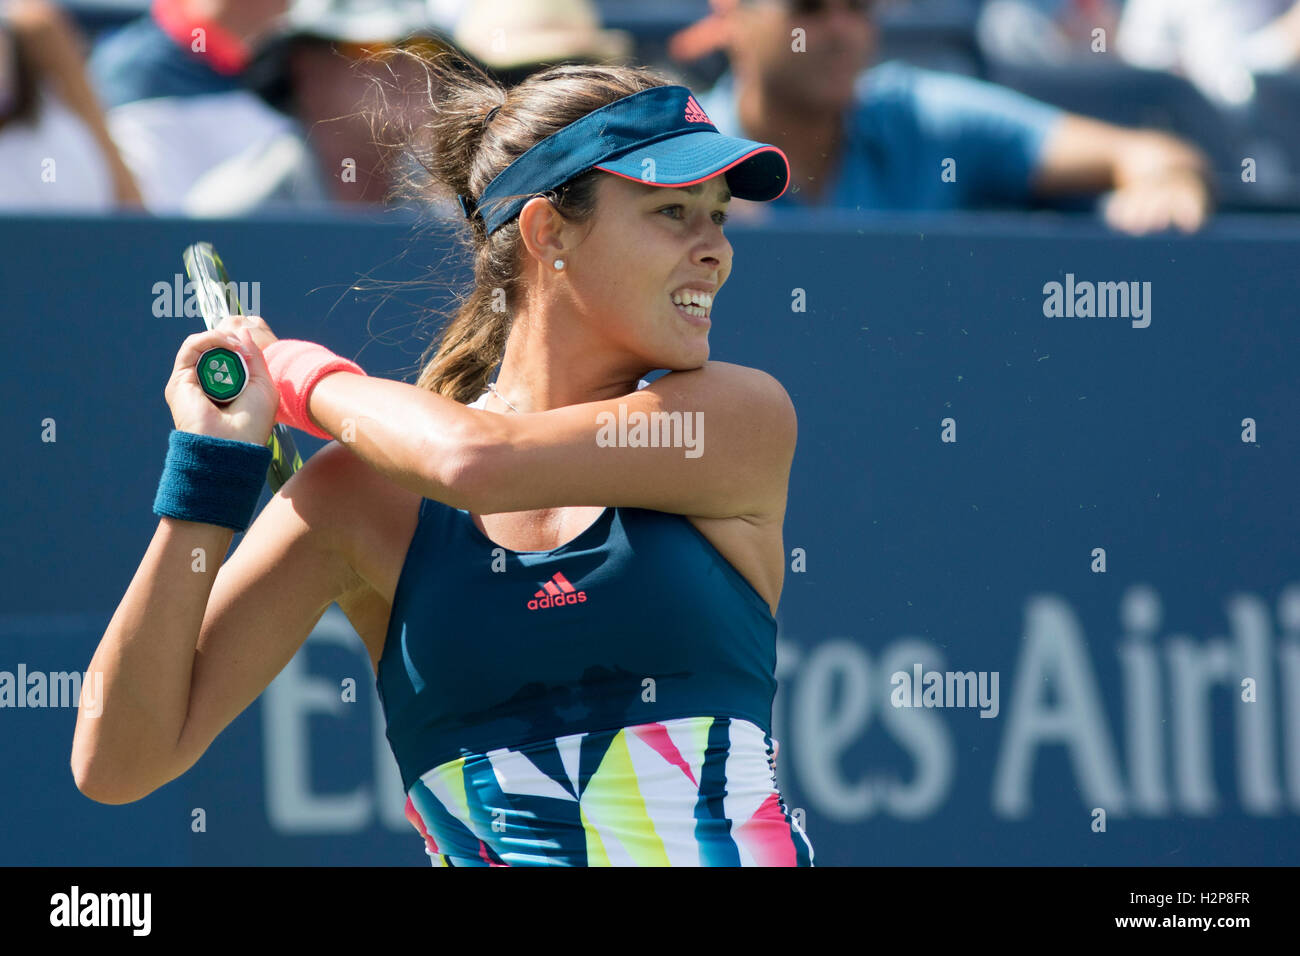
{"x":694,"y":112}
{"x":555,"y":593}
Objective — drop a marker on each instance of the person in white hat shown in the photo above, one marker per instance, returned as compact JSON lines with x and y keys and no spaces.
{"x":514,"y":38}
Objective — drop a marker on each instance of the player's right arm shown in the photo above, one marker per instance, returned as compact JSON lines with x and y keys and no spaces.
{"x":192,"y":644}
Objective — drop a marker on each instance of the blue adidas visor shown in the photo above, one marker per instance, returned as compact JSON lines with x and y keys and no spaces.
{"x":660,"y":137}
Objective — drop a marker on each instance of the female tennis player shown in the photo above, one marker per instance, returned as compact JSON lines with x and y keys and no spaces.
{"x":571,"y":619}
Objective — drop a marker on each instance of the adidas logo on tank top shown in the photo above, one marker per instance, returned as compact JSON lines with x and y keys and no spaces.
{"x":556,"y":593}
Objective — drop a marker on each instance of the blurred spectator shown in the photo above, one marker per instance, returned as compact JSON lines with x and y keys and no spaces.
{"x":361,"y":104}
{"x":347,"y":88}
{"x":55,"y":149}
{"x":1046,"y":32}
{"x":197,"y":139}
{"x":900,"y":138}
{"x":515,"y":38}
{"x":1216,"y":44}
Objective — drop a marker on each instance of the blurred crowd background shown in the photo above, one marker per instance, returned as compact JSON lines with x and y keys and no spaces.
{"x":1155,"y":114}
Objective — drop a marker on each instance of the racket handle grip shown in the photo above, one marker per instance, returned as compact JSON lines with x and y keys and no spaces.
{"x":223,"y":374}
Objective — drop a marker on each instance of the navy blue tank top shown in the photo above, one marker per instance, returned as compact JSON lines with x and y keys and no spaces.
{"x":604,"y":703}
{"x":638,"y":619}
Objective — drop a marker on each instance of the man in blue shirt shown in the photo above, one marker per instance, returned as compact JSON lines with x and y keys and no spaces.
{"x":901,"y":138}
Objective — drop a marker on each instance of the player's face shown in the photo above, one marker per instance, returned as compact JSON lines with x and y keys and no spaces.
{"x":645,"y":244}
{"x":808,"y":52}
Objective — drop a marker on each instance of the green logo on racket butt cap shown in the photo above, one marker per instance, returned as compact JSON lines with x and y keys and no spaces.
{"x":222,"y":374}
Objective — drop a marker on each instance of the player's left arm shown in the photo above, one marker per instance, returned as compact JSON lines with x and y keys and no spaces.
{"x":725,"y":443}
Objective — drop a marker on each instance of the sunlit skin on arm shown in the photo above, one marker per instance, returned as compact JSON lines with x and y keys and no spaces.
{"x":412,"y":436}
{"x":473,"y":459}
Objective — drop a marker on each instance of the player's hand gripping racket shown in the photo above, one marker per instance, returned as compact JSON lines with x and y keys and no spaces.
{"x":222,"y":373}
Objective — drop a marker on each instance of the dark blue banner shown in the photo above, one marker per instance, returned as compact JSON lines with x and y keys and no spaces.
{"x":1042,"y":605}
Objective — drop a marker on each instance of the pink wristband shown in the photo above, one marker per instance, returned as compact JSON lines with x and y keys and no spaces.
{"x":296,"y":366}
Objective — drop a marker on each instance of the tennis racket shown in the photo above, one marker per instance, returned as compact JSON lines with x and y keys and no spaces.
{"x":217,"y":301}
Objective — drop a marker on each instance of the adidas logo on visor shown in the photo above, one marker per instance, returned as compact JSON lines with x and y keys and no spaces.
{"x":694,"y":114}
{"x":555,"y":593}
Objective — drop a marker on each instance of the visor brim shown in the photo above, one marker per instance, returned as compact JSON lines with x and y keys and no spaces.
{"x":755,"y":171}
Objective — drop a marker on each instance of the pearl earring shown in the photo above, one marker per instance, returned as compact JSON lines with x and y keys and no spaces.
{"x":559,"y":264}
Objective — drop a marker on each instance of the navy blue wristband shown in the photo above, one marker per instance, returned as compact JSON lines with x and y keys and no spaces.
{"x":211,"y":480}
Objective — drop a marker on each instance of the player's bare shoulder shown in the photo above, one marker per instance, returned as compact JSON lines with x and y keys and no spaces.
{"x":732,"y":376}
{"x":756,"y":406}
